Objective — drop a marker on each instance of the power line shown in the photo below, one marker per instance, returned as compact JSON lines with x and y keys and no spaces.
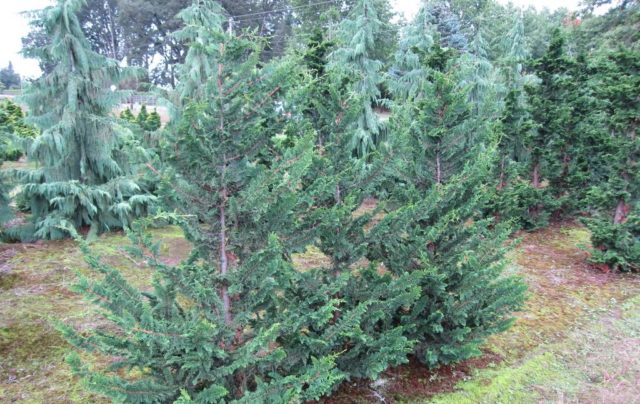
{"x":241,"y":16}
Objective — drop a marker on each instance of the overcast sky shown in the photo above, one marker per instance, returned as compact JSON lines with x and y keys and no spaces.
{"x":13,"y":26}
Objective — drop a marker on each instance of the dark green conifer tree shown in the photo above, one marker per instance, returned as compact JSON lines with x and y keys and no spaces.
{"x":369,"y":339}
{"x":335,"y":220}
{"x":550,"y":143}
{"x":438,"y":113}
{"x":615,"y":179}
{"x":143,"y":115}
{"x":434,"y":228}
{"x":515,"y":193}
{"x":85,"y":175}
{"x":235,"y":321}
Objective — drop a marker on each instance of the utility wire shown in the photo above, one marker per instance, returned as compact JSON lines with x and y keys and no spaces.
{"x":241,"y":16}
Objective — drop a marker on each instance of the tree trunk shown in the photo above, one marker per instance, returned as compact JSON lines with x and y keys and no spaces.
{"x":438,"y":168}
{"x":622,"y":210}
{"x":502,"y":183}
{"x":224,"y":262}
{"x":536,"y":176}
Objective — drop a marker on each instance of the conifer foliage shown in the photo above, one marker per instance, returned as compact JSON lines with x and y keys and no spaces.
{"x":256,"y":176}
{"x":437,"y":230}
{"x":616,"y":193}
{"x":221,"y":325}
{"x":550,"y":143}
{"x":86,"y":177}
{"x":356,"y":59}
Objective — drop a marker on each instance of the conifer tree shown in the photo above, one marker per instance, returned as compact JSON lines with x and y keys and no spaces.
{"x":143,"y":115}
{"x":615,"y":190}
{"x":550,"y":143}
{"x":435,"y":228}
{"x":12,"y":120}
{"x":85,"y":176}
{"x":438,"y":113}
{"x":515,"y":192}
{"x":480,"y":78}
{"x":355,"y":58}
{"x":369,"y":340}
{"x":127,"y":115}
{"x":446,"y":23}
{"x":153,"y":121}
{"x":5,"y":188}
{"x":236,"y":320}
{"x":515,"y":117}
{"x":324,"y":99}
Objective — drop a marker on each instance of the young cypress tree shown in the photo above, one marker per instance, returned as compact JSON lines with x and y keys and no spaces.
{"x":12,"y":120}
{"x":142,"y":117}
{"x":153,"y":121}
{"x":434,"y":228}
{"x":516,"y":124}
{"x":127,"y":115}
{"x":355,"y":58}
{"x":615,"y":190}
{"x":362,"y":325}
{"x":438,"y":113}
{"x":551,"y":113}
{"x":86,"y":177}
{"x":232,"y":321}
{"x":480,"y":77}
{"x":515,"y":193}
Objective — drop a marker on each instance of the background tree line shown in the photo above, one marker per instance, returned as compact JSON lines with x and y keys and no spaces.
{"x":140,"y":32}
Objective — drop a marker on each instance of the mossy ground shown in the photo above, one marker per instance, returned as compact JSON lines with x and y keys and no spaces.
{"x":578,"y":340}
{"x":35,"y":288}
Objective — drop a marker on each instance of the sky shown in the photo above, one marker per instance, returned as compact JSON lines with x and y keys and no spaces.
{"x":13,"y":26}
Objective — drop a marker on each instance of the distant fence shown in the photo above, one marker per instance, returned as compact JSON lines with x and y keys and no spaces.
{"x":135,"y":98}
{"x":142,"y":99}
{"x":14,"y":92}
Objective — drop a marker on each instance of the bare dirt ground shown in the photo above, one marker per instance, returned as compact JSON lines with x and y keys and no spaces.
{"x":578,"y":340}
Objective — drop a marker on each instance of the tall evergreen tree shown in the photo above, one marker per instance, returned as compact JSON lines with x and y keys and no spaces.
{"x":335,"y":221}
{"x":236,"y":320}
{"x":438,"y":113}
{"x":9,"y":78}
{"x":447,"y":23}
{"x":515,"y":192}
{"x":355,"y":58}
{"x":435,"y":228}
{"x":615,"y":191}
{"x":480,"y":78}
{"x":142,"y":115}
{"x":86,"y":177}
{"x":551,"y":112}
